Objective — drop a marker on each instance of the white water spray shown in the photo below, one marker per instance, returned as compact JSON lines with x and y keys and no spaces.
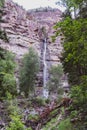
{"x":45,"y":91}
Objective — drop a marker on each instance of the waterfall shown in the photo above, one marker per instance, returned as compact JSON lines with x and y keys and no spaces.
{"x":45,"y":91}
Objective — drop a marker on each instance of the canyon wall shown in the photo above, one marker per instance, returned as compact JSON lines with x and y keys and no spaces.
{"x":24,"y":29}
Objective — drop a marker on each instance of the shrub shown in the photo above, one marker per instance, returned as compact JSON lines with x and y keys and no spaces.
{"x":33,"y":117}
{"x":54,"y":83}
{"x":39,"y":101}
{"x":15,"y":116}
{"x":65,"y":125}
{"x":2,"y":3}
{"x":79,"y":93}
{"x":73,"y":114}
{"x":16,"y":124}
{"x":54,"y":112}
{"x":47,"y":100}
{"x":7,"y":79}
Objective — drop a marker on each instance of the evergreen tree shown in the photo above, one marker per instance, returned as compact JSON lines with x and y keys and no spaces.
{"x":7,"y":80}
{"x":74,"y":55}
{"x":56,"y":73}
{"x":74,"y":37}
{"x":28,"y":72}
{"x":3,"y":34}
{"x":7,"y":64}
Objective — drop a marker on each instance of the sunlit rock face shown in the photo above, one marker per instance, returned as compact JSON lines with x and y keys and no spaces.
{"x":20,"y":27}
{"x":47,"y":18}
{"x":24,"y":29}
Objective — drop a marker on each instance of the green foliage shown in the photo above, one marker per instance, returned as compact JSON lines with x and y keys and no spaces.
{"x":2,"y":3}
{"x":65,"y":125}
{"x":75,"y":48}
{"x":56,"y":72}
{"x":78,"y":7}
{"x":12,"y":107}
{"x":7,"y":80}
{"x":74,"y":56}
{"x":74,"y":33}
{"x":39,"y":101}
{"x":29,"y":128}
{"x":74,"y":114}
{"x":3,"y":34}
{"x":33,"y":117}
{"x":47,"y":101}
{"x":43,"y":30}
{"x":53,"y":112}
{"x":16,"y":124}
{"x":79,"y":93}
{"x":50,"y":125}
{"x":28,"y":72}
{"x":8,"y":96}
{"x":54,"y":124}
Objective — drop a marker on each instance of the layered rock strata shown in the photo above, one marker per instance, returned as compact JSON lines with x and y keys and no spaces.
{"x":24,"y":29}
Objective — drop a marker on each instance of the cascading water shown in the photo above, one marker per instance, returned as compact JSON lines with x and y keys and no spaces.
{"x":45,"y":91}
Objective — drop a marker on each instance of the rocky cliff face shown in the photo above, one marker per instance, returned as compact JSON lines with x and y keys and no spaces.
{"x":24,"y":29}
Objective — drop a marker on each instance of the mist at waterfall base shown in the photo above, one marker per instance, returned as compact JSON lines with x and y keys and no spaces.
{"x":45,"y":91}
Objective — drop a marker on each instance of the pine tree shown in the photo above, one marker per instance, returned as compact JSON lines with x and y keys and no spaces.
{"x":28,"y":72}
{"x":7,"y":80}
{"x":74,"y":55}
{"x":3,"y":34}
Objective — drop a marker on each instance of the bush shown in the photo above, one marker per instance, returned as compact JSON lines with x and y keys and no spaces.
{"x":47,"y":100}
{"x":65,"y":125}
{"x":39,"y":101}
{"x":16,"y":124}
{"x":15,"y":116}
{"x":54,"y":83}
{"x":28,"y":72}
{"x":2,"y":3}
{"x":53,"y":112}
{"x":7,"y":79}
{"x":33,"y":117}
{"x":79,"y":93}
{"x":73,"y":114}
